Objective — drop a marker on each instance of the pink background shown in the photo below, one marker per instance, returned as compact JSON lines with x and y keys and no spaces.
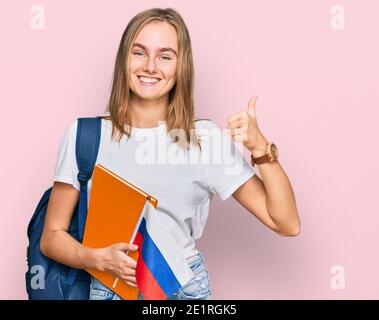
{"x":318,"y":101}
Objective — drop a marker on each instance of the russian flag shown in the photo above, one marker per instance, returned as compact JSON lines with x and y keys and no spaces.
{"x":161,"y":266}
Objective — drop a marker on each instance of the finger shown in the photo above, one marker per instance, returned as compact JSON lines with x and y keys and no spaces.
{"x":131,"y":284}
{"x":126,"y":246}
{"x":237,"y":123}
{"x":251,"y":107}
{"x":123,"y":276}
{"x":126,"y":276}
{"x":235,"y":131}
{"x":128,"y":271}
{"x":132,"y":272}
{"x":239,"y":115}
{"x":131,"y":263}
{"x":238,"y":135}
{"x":127,"y":268}
{"x":237,"y":138}
{"x":130,"y":279}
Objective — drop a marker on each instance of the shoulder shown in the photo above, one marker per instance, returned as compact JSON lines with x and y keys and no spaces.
{"x":207,"y":127}
{"x":70,"y":131}
{"x":205,"y":124}
{"x":73,"y":126}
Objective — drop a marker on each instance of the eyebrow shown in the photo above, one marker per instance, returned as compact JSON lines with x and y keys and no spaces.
{"x":136,"y":44}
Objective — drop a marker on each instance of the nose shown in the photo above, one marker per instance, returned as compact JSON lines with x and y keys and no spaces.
{"x":150,"y":66}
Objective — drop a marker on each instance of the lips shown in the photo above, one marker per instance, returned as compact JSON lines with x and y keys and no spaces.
{"x":148,"y":77}
{"x":148,"y":83}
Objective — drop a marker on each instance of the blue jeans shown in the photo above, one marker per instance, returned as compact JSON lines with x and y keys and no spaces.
{"x":198,"y":288}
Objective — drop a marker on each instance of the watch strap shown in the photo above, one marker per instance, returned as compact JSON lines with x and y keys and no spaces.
{"x":262,"y":159}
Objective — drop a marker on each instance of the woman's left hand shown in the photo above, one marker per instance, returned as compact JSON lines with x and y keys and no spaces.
{"x":243,"y":127}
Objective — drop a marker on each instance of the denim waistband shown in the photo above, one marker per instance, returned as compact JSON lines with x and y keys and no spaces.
{"x":198,"y":264}
{"x":194,"y":258}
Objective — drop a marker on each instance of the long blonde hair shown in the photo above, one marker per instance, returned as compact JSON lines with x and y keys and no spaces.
{"x":181,"y":106}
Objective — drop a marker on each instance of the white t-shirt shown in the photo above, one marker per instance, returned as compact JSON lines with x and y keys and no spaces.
{"x":184,"y":182}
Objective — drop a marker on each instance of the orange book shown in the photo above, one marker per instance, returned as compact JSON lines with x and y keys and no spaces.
{"x":114,"y":213}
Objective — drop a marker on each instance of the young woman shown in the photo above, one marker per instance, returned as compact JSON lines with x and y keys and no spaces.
{"x":152,"y":96}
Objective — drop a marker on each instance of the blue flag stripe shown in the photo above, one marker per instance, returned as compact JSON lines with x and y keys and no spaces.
{"x":157,"y":264}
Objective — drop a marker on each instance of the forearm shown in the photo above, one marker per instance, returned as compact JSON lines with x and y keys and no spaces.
{"x":279,"y":197}
{"x":281,"y":202}
{"x":62,"y":247}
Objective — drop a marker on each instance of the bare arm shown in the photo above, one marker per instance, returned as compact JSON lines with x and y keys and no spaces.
{"x":57,"y":244}
{"x":272,"y":200}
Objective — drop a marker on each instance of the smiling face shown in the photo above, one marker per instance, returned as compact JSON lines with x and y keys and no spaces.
{"x":153,"y":61}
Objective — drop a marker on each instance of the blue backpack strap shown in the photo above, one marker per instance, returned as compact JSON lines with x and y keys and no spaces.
{"x":86,"y":149}
{"x":87,"y":146}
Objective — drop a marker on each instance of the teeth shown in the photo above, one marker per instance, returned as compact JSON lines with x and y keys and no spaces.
{"x":150,"y":80}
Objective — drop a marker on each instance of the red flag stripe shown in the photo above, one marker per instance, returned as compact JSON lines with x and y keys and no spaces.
{"x":147,"y":284}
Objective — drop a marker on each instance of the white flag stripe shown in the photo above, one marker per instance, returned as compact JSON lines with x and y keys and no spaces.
{"x":158,"y":225}
{"x":132,"y":238}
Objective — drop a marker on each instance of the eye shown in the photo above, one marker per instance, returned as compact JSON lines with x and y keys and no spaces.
{"x":137,"y":53}
{"x":140,"y":54}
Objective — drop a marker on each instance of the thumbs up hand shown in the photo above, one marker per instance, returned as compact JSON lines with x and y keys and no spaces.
{"x":243,"y":127}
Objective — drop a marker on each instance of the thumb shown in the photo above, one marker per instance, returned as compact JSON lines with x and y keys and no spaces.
{"x":251,"y":107}
{"x":127,"y":246}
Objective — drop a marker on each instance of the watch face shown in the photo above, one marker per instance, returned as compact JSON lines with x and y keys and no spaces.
{"x":274,"y":151}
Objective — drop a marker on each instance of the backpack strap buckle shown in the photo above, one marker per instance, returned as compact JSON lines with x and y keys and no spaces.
{"x":82,"y":178}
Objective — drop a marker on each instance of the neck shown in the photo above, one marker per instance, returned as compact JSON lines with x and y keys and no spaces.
{"x":146,"y":113}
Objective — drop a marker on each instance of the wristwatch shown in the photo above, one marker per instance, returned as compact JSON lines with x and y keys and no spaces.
{"x":271,"y":155}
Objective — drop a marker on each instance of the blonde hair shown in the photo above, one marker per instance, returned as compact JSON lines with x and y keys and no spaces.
{"x":180,"y":113}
